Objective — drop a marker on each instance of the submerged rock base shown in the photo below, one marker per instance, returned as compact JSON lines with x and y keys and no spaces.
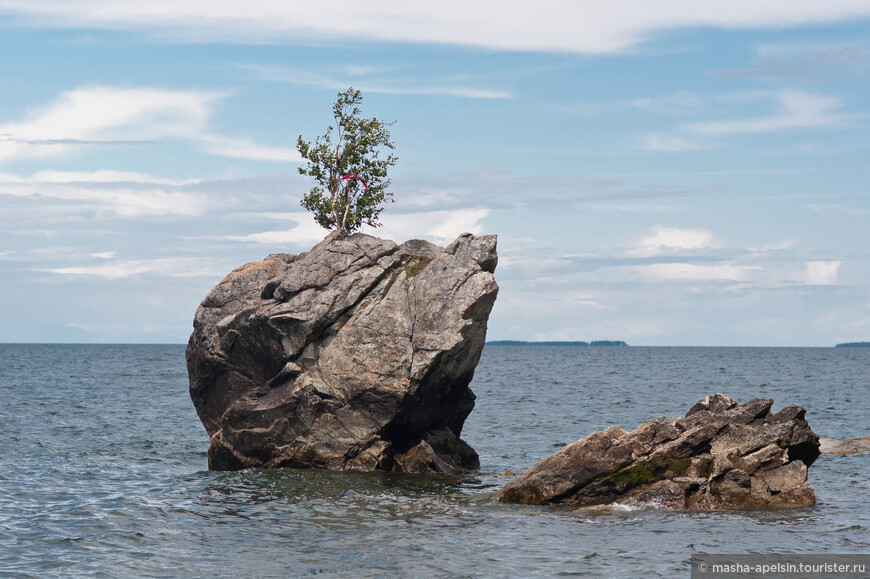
{"x":355,"y":355}
{"x":851,"y":446}
{"x":722,"y":455}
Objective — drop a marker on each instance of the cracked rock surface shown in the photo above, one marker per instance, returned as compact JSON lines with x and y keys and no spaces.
{"x":722,"y":455}
{"x":354,"y":355}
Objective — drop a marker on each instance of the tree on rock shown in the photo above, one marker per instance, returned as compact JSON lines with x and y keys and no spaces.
{"x":347,"y":167}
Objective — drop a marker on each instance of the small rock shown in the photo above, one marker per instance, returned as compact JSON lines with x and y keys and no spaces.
{"x":851,"y":446}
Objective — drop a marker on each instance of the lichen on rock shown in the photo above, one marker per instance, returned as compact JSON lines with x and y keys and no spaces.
{"x":354,"y":355}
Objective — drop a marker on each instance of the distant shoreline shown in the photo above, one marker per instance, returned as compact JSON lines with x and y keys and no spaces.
{"x":606,"y":343}
{"x":853,"y":345}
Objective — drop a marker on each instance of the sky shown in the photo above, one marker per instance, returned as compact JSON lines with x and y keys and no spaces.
{"x":674,"y":173}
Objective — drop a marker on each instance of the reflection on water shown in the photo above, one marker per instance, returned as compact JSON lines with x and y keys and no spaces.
{"x":102,"y":472}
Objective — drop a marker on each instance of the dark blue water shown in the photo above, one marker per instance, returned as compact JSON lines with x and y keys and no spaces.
{"x":103,"y":472}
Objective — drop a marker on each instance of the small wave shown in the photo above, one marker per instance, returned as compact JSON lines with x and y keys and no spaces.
{"x":614,"y":508}
{"x":849,"y":528}
{"x":628,"y":507}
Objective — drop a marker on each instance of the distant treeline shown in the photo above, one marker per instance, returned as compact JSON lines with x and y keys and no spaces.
{"x":854,"y":345}
{"x":592,"y":343}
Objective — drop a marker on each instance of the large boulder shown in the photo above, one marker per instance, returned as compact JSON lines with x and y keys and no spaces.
{"x":722,"y":455}
{"x":354,"y":355}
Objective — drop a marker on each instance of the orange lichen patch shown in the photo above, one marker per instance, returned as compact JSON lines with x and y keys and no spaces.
{"x":843,"y":451}
{"x":253,"y":266}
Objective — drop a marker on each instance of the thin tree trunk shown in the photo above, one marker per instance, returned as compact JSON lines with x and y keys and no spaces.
{"x":346,"y":208}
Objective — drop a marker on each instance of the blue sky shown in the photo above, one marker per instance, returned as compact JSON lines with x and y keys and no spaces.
{"x":668,"y":173}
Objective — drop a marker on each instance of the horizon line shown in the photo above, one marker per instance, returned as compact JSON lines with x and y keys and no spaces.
{"x":555,"y":343}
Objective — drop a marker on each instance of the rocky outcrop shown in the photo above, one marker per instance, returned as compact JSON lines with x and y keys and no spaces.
{"x":354,"y":355}
{"x":722,"y":455}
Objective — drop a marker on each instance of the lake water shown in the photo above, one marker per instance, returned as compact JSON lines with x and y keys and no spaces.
{"x":103,"y":472}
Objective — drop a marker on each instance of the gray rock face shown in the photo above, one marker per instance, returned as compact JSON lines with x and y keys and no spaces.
{"x":722,"y":455}
{"x":354,"y":355}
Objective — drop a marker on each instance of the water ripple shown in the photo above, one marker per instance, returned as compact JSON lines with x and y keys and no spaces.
{"x":103,"y":472}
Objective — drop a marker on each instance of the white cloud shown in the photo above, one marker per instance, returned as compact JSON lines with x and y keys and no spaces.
{"x":437,"y":226}
{"x":138,"y":199}
{"x":673,"y":240}
{"x":104,"y":255}
{"x":104,"y":115}
{"x":305,"y":231}
{"x":112,"y":116}
{"x":793,"y":110}
{"x":291,"y":215}
{"x":669,"y":143}
{"x":363,"y":69}
{"x":852,"y":325}
{"x":689,"y":271}
{"x":170,"y":267}
{"x":770,"y":68}
{"x":100,"y":176}
{"x":537,"y":266}
{"x":377,"y":85}
{"x":417,"y":195}
{"x":774,"y":246}
{"x":822,"y":272}
{"x":592,"y":26}
{"x":246,"y":149}
{"x":797,"y":110}
{"x":677,"y":103}
{"x":635,"y":208}
{"x":818,"y":52}
{"x":835,"y":210}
